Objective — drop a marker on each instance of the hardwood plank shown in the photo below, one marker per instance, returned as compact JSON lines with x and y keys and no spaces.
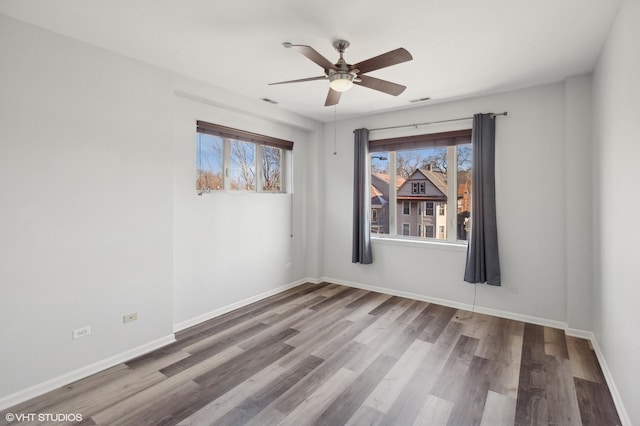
{"x":442,"y":315}
{"x":226,"y":320}
{"x":470,"y":401}
{"x":531,"y":405}
{"x":499,"y":410}
{"x":113,"y":413}
{"x":408,"y":404}
{"x":387,"y":320}
{"x":346,"y":294}
{"x":160,"y":411}
{"x":555,"y":343}
{"x":307,"y":386}
{"x":325,"y":348}
{"x":220,"y":406}
{"x":596,"y":404}
{"x":434,"y":411}
{"x":348,"y":402}
{"x":451,"y":380}
{"x":393,"y":342}
{"x":217,"y":382}
{"x":89,"y":403}
{"x":365,"y":416}
{"x":386,"y":305}
{"x":245,"y":364}
{"x":362,"y":306}
{"x":506,"y":365}
{"x":312,"y":407}
{"x":208,"y":351}
{"x":253,"y":405}
{"x":584,"y":363}
{"x":390,"y":387}
{"x":562,"y":402}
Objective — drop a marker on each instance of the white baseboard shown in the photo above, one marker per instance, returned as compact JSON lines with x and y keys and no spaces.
{"x":228,"y":308}
{"x":453,"y":304}
{"x":81,"y":373}
{"x":615,"y":395}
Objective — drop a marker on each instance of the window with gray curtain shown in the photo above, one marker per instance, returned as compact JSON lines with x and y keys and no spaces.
{"x":483,"y":263}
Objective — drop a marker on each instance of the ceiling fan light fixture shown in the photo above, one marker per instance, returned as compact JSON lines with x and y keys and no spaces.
{"x":341,"y":81}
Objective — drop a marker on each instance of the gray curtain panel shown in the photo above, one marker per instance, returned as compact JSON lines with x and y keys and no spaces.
{"x":483,"y":263}
{"x":361,"y":245}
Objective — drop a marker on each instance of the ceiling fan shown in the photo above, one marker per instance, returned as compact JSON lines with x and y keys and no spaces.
{"x":342,"y":76}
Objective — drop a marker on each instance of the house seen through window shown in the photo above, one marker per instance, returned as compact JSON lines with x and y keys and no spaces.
{"x":423,"y":191}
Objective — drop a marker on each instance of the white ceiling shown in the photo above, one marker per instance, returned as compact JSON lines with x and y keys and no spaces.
{"x":460,"y":47}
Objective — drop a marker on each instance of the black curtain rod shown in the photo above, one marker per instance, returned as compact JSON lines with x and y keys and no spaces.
{"x":493,"y":115}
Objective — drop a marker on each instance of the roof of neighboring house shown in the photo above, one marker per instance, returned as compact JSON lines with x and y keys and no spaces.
{"x":436,"y":191}
{"x":377,"y":198}
{"x":439,"y":179}
{"x":385,"y":178}
{"x":380,"y":188}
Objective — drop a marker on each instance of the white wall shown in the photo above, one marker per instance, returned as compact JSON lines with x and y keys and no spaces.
{"x":530,"y":159}
{"x":229,"y":246}
{"x":86,"y":218}
{"x":616,"y":156}
{"x":578,"y":190}
{"x":100,"y":218}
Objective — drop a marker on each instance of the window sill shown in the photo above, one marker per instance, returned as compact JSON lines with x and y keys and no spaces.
{"x":410,"y":242}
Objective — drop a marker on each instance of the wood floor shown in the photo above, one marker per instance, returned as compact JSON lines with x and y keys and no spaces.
{"x":332,"y":355}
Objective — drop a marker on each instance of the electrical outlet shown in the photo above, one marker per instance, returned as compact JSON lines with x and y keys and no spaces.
{"x":287,"y":265}
{"x":81,"y":332}
{"x":129,"y":317}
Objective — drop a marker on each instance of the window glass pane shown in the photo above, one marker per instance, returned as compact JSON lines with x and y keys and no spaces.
{"x":421,"y":179}
{"x":428,"y":202}
{"x":429,"y":231}
{"x":380,"y":192}
{"x":243,"y":165}
{"x":464,"y":190}
{"x":271,"y":169}
{"x":209,"y":163}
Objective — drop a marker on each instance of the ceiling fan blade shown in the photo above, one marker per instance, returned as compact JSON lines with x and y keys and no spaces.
{"x":380,"y":85}
{"x":394,"y":57}
{"x":332,"y":98}
{"x":323,"y":77}
{"x":312,"y":54}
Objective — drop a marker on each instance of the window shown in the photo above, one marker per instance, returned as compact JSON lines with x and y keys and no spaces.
{"x":430,"y":173}
{"x":235,"y":160}
{"x":428,"y":231}
{"x":374,"y":215}
{"x":418,"y":187}
{"x":428,"y":210}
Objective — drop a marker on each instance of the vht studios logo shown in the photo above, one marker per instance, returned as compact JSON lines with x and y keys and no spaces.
{"x":43,"y":417}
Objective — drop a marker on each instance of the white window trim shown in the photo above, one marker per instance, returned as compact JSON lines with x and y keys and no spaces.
{"x":286,"y":178}
{"x":452,"y":240}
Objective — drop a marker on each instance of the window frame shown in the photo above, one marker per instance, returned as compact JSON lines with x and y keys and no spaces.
{"x":449,"y":139}
{"x":406,"y":207}
{"x":228,"y":135}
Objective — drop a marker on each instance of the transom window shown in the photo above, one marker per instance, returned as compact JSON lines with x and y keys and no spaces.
{"x":235,"y":160}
